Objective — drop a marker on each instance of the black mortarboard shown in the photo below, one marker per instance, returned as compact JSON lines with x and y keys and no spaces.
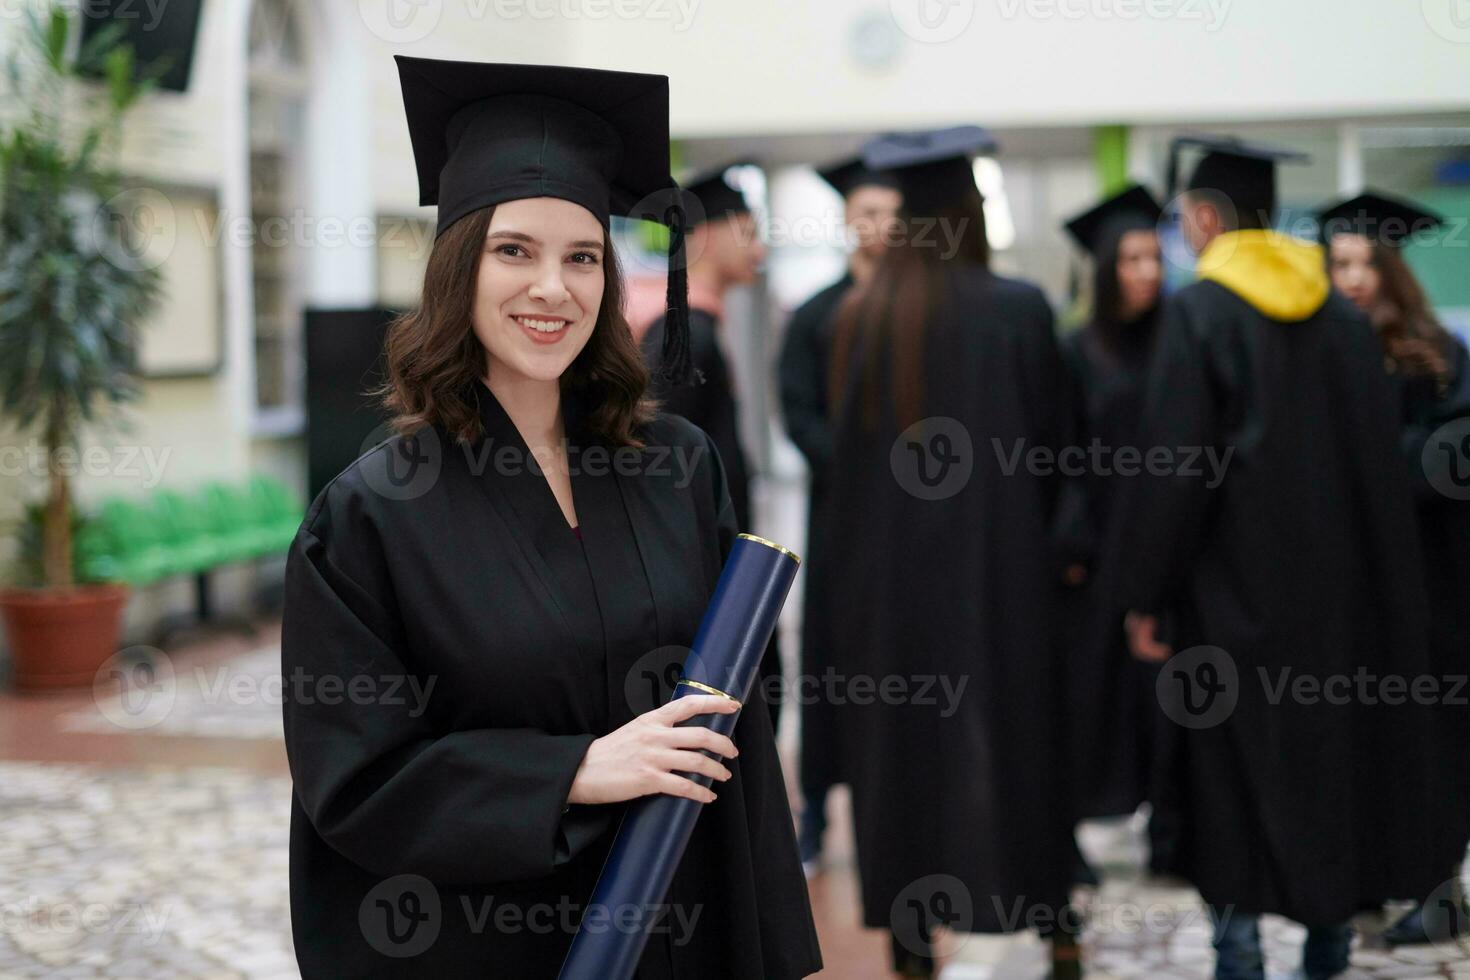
{"x":1244,"y":173}
{"x":715,"y":195}
{"x":484,"y":134}
{"x":848,"y":175}
{"x":1378,"y":217}
{"x":1134,"y":208}
{"x":934,"y":167}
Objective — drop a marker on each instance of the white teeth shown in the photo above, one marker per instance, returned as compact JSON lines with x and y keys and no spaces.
{"x":542,"y":326}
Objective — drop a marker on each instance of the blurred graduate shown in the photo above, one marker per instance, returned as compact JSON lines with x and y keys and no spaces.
{"x":870,"y":204}
{"x":941,"y":577}
{"x":1430,"y":368}
{"x":493,"y":556}
{"x":1114,"y":710}
{"x":1300,"y":559}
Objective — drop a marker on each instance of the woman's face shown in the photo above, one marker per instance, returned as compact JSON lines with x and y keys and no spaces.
{"x":1140,"y":272}
{"x":1353,"y":271}
{"x":539,"y":287}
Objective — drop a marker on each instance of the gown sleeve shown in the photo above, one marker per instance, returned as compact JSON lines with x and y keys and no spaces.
{"x":1428,"y":473}
{"x":1162,"y":516}
{"x":377,"y":782}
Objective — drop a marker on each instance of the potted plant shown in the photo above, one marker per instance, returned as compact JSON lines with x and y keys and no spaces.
{"x":70,"y":306}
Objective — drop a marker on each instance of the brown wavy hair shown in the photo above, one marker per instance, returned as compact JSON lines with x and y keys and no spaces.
{"x":1415,"y":342}
{"x":434,"y":358}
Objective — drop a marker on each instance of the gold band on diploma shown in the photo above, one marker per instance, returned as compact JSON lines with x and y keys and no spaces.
{"x":771,"y":544}
{"x":707,"y":689}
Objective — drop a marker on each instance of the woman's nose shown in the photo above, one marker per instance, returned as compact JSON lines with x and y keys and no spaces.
{"x":549,"y":287}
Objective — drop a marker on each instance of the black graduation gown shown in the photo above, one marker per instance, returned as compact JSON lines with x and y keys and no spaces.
{"x":963,"y":589}
{"x":463,"y":572}
{"x":1444,"y":535}
{"x":1303,"y":557}
{"x":805,"y":361}
{"x":1114,"y":714}
{"x":711,"y":406}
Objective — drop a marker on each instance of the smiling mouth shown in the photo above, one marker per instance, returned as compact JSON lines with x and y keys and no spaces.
{"x":545,"y":326}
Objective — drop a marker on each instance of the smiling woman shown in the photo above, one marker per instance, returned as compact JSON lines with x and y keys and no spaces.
{"x":418,"y":561}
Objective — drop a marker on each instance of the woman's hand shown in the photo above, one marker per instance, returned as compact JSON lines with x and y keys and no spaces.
{"x":645,"y":755}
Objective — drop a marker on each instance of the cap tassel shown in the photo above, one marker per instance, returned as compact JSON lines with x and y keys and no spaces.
{"x":676,"y":368}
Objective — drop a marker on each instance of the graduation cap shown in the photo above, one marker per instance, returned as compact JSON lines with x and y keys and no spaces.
{"x":933,"y":167}
{"x":1244,"y":173}
{"x":484,"y":134}
{"x":1377,"y":217}
{"x":717,"y":197}
{"x":1133,"y":209}
{"x":848,"y":175}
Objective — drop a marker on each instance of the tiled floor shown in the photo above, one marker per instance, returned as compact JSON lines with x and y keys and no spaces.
{"x":152,"y":848}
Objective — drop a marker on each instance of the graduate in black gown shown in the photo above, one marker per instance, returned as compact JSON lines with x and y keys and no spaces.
{"x":1430,"y":368}
{"x":941,"y":576}
{"x":1114,"y":710}
{"x":725,"y":251}
{"x":870,"y":204}
{"x":1295,"y":558}
{"x":473,"y":606}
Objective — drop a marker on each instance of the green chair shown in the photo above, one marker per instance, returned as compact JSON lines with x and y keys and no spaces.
{"x":277,"y":513}
{"x":130,"y":546}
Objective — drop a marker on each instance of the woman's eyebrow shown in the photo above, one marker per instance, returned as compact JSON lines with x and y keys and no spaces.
{"x":587,"y":243}
{"x":520,"y":236}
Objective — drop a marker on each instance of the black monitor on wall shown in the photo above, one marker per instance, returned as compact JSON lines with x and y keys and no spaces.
{"x":155,"y":30}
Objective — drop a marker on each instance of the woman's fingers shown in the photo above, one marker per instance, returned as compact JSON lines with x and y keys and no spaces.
{"x":693,"y":762}
{"x":697,"y":737}
{"x":671,"y":785}
{"x":682,"y":709}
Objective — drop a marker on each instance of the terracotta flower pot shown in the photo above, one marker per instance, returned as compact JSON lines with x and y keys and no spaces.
{"x":61,"y":637}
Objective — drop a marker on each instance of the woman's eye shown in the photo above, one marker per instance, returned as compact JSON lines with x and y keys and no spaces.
{"x":510,"y":251}
{"x":584,"y":258}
